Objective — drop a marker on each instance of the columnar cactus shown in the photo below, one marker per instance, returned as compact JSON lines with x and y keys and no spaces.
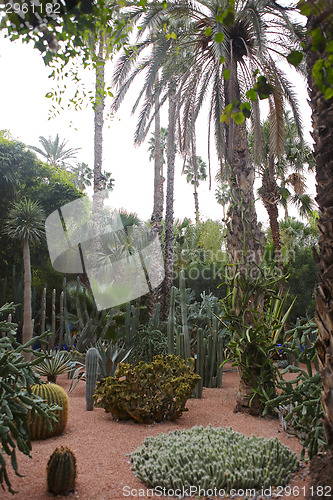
{"x":39,"y":427}
{"x":213,"y":458}
{"x":92,"y":360}
{"x":61,"y":471}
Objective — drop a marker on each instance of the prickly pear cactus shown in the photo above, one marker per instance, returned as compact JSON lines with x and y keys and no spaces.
{"x":39,"y":427}
{"x":92,"y":360}
{"x":61,"y":471}
{"x":213,"y":458}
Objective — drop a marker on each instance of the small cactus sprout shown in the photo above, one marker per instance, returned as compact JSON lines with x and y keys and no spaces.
{"x":61,"y":471}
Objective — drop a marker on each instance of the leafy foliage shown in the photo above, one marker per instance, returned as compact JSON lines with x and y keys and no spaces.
{"x":16,"y":397}
{"x":254,"y":313}
{"x":148,"y":392}
{"x":147,"y":343}
{"x":212,"y":458}
{"x":56,"y":363}
{"x":299,"y":404}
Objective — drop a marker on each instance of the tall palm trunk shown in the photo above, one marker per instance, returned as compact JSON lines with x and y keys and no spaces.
{"x":168,"y":256}
{"x":196,"y":202}
{"x":244,"y":235}
{"x":270,"y":198}
{"x":99,"y":116}
{"x":27,"y":329}
{"x":322,"y":113}
{"x":155,"y":296}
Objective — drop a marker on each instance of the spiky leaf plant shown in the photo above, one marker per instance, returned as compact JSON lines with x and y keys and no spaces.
{"x":211,"y":458}
{"x":57,"y":363}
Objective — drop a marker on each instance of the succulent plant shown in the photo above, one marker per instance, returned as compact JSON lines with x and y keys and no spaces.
{"x":211,"y":458}
{"x":57,"y":363}
{"x":61,"y":471}
{"x":92,"y":361}
{"x":39,"y":426}
{"x":148,"y":392}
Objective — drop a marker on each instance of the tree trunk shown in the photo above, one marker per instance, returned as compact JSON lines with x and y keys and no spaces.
{"x":244,"y":235}
{"x":168,"y":256}
{"x":322,"y":119}
{"x":196,"y":203}
{"x":99,"y":116}
{"x":155,"y":296}
{"x":270,"y":197}
{"x":27,"y":329}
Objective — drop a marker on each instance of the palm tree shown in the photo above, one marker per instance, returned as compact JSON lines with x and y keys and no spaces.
{"x":195,"y":171}
{"x":321,"y":19}
{"x":224,"y":59}
{"x":222,"y":195}
{"x":282,"y":162}
{"x":55,"y":152}
{"x":82,"y":176}
{"x":25,"y":223}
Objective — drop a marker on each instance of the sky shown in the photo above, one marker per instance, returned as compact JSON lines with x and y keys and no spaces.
{"x":25,"y":112}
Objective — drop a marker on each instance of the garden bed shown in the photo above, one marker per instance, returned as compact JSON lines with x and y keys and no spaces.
{"x":102,"y":445}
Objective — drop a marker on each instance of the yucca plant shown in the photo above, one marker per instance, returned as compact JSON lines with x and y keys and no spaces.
{"x":57,"y":363}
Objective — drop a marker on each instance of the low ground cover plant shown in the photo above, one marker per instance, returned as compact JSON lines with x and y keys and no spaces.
{"x":212,"y":458}
{"x":148,"y":392}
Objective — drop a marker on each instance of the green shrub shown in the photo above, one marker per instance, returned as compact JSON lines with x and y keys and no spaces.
{"x":148,"y":392}
{"x":299,"y":404}
{"x":147,"y":343}
{"x":211,"y":458}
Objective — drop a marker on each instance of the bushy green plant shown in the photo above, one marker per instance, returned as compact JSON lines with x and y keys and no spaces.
{"x":299,"y":404}
{"x":148,"y":392}
{"x":211,"y":458}
{"x":254,"y":313}
{"x":16,"y":398}
{"x":147,"y":343}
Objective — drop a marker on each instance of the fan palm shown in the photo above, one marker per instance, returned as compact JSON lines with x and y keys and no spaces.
{"x":25,"y":223}
{"x":55,"y":152}
{"x":195,"y":172}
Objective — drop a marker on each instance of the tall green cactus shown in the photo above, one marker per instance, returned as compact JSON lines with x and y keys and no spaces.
{"x":92,"y":359}
{"x":200,"y":361}
{"x":171,"y":323}
{"x":183,"y":307}
{"x":61,"y":471}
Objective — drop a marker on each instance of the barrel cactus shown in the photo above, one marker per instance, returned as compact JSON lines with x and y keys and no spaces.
{"x":39,"y":427}
{"x":61,"y":471}
{"x":92,"y":361}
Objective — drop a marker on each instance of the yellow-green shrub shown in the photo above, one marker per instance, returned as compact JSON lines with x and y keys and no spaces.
{"x":149,"y":391}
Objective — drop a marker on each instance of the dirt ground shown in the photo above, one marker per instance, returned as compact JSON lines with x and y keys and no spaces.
{"x":102,"y":446}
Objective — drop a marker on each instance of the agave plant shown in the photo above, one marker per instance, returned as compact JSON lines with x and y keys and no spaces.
{"x":55,"y":364}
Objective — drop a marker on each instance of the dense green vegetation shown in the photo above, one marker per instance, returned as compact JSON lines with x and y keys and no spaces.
{"x":233,"y":291}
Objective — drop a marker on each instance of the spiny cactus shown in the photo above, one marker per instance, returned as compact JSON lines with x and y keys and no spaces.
{"x":39,"y":427}
{"x":61,"y":471}
{"x":92,"y":360}
{"x":213,"y":458}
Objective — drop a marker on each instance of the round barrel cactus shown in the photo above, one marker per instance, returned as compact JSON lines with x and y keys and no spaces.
{"x":39,"y":427}
{"x":61,"y":471}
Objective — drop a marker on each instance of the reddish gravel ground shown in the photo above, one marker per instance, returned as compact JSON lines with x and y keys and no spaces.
{"x":102,"y":446}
